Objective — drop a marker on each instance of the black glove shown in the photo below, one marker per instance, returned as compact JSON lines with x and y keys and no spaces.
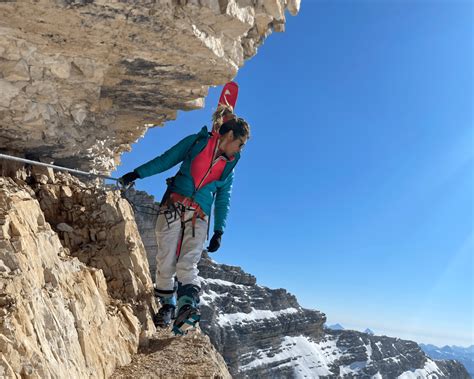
{"x":128,"y":178}
{"x":215,"y":242}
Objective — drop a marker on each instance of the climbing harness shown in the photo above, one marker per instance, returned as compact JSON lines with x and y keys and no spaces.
{"x":181,"y":204}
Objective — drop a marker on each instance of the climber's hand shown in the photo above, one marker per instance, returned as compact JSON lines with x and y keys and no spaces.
{"x":128,"y":178}
{"x":215,"y":242}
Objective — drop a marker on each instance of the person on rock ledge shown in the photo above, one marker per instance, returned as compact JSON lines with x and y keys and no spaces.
{"x":206,"y":174}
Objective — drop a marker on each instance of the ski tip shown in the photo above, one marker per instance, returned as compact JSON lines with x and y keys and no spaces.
{"x":229,"y":94}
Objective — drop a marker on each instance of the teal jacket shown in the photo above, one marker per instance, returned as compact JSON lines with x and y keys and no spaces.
{"x":185,"y":151}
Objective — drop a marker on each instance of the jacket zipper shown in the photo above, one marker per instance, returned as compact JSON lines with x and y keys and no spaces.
{"x":213,"y":163}
{"x":207,"y":173}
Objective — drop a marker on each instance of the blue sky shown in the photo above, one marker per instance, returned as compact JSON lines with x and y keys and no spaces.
{"x":355,"y":192}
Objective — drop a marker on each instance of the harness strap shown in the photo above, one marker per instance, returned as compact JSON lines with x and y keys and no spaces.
{"x":181,"y":209}
{"x":183,"y":227}
{"x":187,"y":202}
{"x":194,"y":223}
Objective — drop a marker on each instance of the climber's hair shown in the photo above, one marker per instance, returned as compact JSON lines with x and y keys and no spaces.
{"x":221,"y":115}
{"x":238,"y":125}
{"x":224,"y":120}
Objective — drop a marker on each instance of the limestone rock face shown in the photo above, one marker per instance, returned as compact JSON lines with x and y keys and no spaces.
{"x":82,"y":80}
{"x":98,"y":227}
{"x":75,"y":290}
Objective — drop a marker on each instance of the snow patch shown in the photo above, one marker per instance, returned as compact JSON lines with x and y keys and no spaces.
{"x":369,"y":352}
{"x":308,"y":359}
{"x":254,"y":315}
{"x":209,"y":296}
{"x":223,"y":283}
{"x":427,"y":371}
{"x":352,"y":369}
{"x":379,"y":346}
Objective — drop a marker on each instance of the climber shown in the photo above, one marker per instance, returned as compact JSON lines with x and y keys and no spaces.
{"x":206,"y":173}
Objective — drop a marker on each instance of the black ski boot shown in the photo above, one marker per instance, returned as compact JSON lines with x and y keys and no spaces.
{"x":164,"y":316}
{"x":167,"y":300}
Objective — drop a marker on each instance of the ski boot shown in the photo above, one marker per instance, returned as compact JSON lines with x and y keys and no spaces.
{"x":163,"y":318}
{"x":187,"y":319}
{"x":188,"y":309}
{"x":166,"y":313}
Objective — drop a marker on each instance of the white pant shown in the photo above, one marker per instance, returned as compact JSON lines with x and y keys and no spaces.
{"x":168,"y":235}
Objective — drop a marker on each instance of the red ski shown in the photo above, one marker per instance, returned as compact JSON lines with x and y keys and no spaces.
{"x":229,"y":95}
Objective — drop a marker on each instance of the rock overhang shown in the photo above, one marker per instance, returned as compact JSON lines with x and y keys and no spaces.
{"x":81,"y":80}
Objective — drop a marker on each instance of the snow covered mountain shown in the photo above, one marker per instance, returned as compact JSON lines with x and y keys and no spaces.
{"x":464,"y":355}
{"x":265,"y":333}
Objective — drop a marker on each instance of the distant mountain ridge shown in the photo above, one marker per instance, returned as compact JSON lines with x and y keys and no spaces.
{"x":340,"y":327}
{"x":336,"y":327}
{"x":464,"y":355}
